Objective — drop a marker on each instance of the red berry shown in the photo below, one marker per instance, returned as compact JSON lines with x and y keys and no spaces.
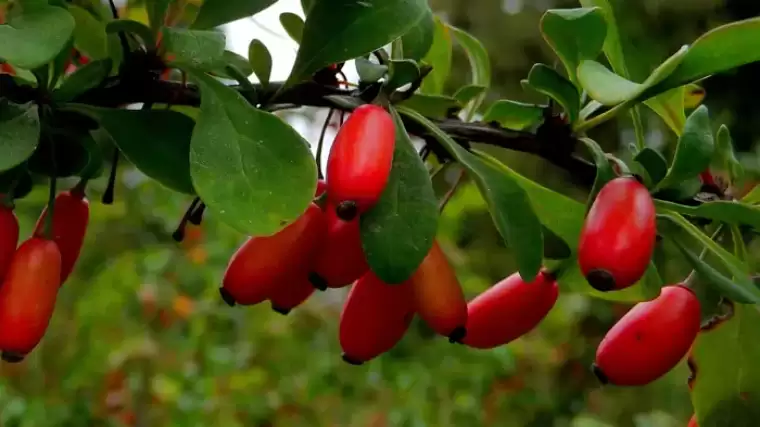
{"x":321,"y":187}
{"x":7,"y":68}
{"x":8,"y":237}
{"x":27,"y":296}
{"x":706,"y":177}
{"x":693,"y":421}
{"x":340,"y":259}
{"x":650,"y":339}
{"x":291,"y":293}
{"x":509,"y":310}
{"x":261,"y":263}
{"x":438,"y":296}
{"x":375,"y":317}
{"x":71,"y":215}
{"x":618,"y":236}
{"x":360,"y":160}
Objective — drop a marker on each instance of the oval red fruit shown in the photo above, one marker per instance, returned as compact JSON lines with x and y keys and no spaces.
{"x":375,"y":317}
{"x":340,"y":259}
{"x":261,"y":263}
{"x":8,"y":237}
{"x":693,"y":421}
{"x":321,"y":187}
{"x":650,"y":339}
{"x":438,"y":296}
{"x":291,"y":293}
{"x":27,"y":297}
{"x":706,"y":177}
{"x":509,"y":310}
{"x":71,"y":215}
{"x":618,"y":236}
{"x":360,"y":160}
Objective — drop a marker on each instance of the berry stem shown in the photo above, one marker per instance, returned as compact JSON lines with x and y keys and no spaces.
{"x":449,"y":194}
{"x":322,"y":141}
{"x":50,"y":209}
{"x":179,"y":233}
{"x":109,"y":193}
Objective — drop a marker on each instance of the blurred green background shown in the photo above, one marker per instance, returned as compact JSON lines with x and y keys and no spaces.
{"x":140,"y":336}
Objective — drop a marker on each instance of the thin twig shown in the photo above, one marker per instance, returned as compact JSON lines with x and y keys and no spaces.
{"x":449,"y":194}
{"x":321,"y":142}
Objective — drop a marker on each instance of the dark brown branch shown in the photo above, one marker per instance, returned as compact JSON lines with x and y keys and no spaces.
{"x":556,"y":147}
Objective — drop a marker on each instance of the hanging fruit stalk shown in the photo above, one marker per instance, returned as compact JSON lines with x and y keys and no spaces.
{"x":650,"y":339}
{"x":618,"y":236}
{"x":8,"y":235}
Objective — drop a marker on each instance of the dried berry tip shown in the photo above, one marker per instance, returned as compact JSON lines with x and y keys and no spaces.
{"x":457,"y":334}
{"x":226,"y":297}
{"x":179,"y":234}
{"x":11,"y":357}
{"x":639,"y":178}
{"x":599,"y":374}
{"x":346,"y":210}
{"x":348,"y":359}
{"x":601,"y":280}
{"x":283,"y":311}
{"x":317,"y":281}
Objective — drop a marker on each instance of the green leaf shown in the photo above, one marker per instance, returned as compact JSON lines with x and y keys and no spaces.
{"x":19,"y":132}
{"x":726,"y":385}
{"x":293,"y":25}
{"x":438,"y":57}
{"x":34,"y":37}
{"x":18,"y":179}
{"x":260,"y":60}
{"x":725,"y":157}
{"x":545,"y":80}
{"x":61,"y":153}
{"x":694,"y":150}
{"x":513,"y":115}
{"x":721,"y":49}
{"x":740,"y":248}
{"x":670,"y":107}
{"x":369,"y":71}
{"x":156,"y":13}
{"x":612,"y":48}
{"x":604,"y":172}
{"x":417,"y":41}
{"x":434,"y":106}
{"x":402,"y":72}
{"x":230,"y":59}
{"x":648,"y":287}
{"x":507,"y":201}
{"x":157,"y":142}
{"x":358,"y":28}
{"x":398,"y":232}
{"x":730,"y":212}
{"x":192,"y":48}
{"x":468,"y":93}
{"x":590,"y":109}
{"x":726,"y":287}
{"x":90,"y":36}
{"x":214,"y":13}
{"x":249,"y":166}
{"x":133,"y":27}
{"x":480,"y":65}
{"x":574,"y":35}
{"x":653,"y":163}
{"x":681,"y":191}
{"x":86,"y":77}
{"x":306,"y":6}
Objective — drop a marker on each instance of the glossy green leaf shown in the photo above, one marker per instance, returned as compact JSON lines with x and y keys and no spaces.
{"x":725,"y":157}
{"x":726,"y":384}
{"x":260,"y":60}
{"x":721,"y":49}
{"x":545,"y":80}
{"x":19,"y":132}
{"x":508,"y":202}
{"x":480,"y":65}
{"x":417,"y":41}
{"x":653,"y":163}
{"x":340,"y":30}
{"x":574,"y":35}
{"x":18,"y":180}
{"x":648,"y":287}
{"x":306,"y":6}
{"x":34,"y":37}
{"x":90,"y":36}
{"x":157,"y":142}
{"x":467,"y":93}
{"x":604,"y":172}
{"x":693,"y":95}
{"x":740,"y":248}
{"x":694,"y":150}
{"x":369,"y":71}
{"x":721,"y":210}
{"x":670,"y":107}
{"x":194,"y":48}
{"x":293,"y":25}
{"x":83,"y":79}
{"x":156,"y":13}
{"x":133,"y":27}
{"x":230,"y":59}
{"x":589,"y":109}
{"x":513,"y":115}
{"x":402,"y":72}
{"x":725,"y":286}
{"x":61,"y":153}
{"x":612,"y":47}
{"x":438,"y":57}
{"x":435,"y":106}
{"x":398,"y":232}
{"x":250,"y":167}
{"x":214,"y":13}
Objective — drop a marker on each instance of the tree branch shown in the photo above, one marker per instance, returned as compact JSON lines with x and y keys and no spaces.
{"x":555,"y":147}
